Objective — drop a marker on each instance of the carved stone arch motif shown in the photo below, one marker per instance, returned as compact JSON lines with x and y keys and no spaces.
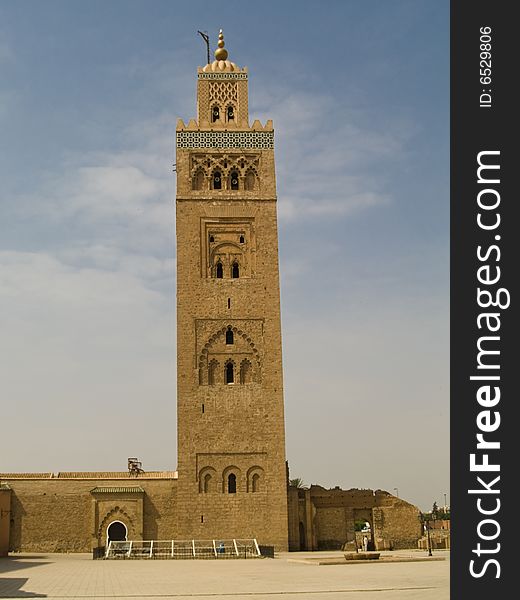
{"x":246,"y":371}
{"x":203,"y":372}
{"x":251,"y":168}
{"x":221,"y":333}
{"x":231,"y":474}
{"x":207,"y":480}
{"x":229,"y":356}
{"x":230,"y":371}
{"x":198,"y":180}
{"x":213,"y":372}
{"x":231,"y":112}
{"x":251,"y":180}
{"x":216,"y":179}
{"x":230,"y":336}
{"x":116,"y":514}
{"x":226,"y":252}
{"x":216,"y":112}
{"x":218,"y":248}
{"x":227,"y":162}
{"x":233,"y":179}
{"x":255,"y":480}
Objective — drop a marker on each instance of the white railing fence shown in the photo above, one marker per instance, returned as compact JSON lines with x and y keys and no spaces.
{"x":232,"y":548}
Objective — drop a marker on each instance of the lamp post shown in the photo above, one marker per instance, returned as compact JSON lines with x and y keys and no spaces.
{"x":396,"y":492}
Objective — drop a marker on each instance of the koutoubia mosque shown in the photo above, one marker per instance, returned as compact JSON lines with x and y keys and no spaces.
{"x":231,"y":479}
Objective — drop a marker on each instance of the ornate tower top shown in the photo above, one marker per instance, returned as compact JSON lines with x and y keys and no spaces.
{"x":221,"y":53}
{"x":221,"y":62}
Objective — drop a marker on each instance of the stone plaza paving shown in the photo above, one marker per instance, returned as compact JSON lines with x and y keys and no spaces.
{"x":286,"y":576}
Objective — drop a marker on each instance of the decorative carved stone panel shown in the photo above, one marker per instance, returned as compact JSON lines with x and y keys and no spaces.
{"x":237,"y":171}
{"x":229,"y":242}
{"x":222,"y":342}
{"x":262,"y":140}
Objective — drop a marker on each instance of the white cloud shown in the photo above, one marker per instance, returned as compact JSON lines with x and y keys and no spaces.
{"x":102,"y":257}
{"x":82,"y":350}
{"x":109,"y":210}
{"x":330,"y":157}
{"x":87,"y":305}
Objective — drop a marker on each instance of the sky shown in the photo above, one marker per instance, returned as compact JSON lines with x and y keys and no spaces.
{"x":358,"y":90}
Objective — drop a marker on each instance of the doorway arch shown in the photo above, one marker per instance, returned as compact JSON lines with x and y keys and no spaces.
{"x":117,"y":532}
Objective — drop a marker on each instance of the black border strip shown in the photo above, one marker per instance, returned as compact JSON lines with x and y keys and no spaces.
{"x":481,"y":123}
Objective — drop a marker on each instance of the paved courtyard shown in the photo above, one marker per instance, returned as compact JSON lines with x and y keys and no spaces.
{"x":78,"y":576}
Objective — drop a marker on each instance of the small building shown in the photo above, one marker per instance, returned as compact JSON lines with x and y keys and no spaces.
{"x":324,"y":519}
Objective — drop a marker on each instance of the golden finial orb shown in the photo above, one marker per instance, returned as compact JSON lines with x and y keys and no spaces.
{"x":221,"y":53}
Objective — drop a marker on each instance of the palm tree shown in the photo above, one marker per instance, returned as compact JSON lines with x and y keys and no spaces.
{"x":297,"y":482}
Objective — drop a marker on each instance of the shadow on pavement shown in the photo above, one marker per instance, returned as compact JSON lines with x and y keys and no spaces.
{"x":12,"y":563}
{"x":10,"y":588}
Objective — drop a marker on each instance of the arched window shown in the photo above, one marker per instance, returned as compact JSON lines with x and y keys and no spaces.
{"x":217,"y":180}
{"x":212,"y":372}
{"x":249,"y":183}
{"x":230,"y":113}
{"x":242,"y":239}
{"x":219,"y":270}
{"x":255,"y":479}
{"x":207,"y":480}
{"x":233,"y":180}
{"x":229,"y":336}
{"x":229,"y":373}
{"x":215,"y":114}
{"x":245,"y":372}
{"x":198,"y":181}
{"x":232,"y":483}
{"x":235,"y":270}
{"x":211,"y":238}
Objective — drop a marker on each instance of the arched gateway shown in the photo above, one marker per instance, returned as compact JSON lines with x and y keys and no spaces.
{"x":117,"y":532}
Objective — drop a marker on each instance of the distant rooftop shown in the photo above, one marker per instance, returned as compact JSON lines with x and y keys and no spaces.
{"x":92,"y":475}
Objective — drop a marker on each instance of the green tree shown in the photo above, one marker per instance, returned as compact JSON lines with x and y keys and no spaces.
{"x":297,"y":482}
{"x":359,"y":524}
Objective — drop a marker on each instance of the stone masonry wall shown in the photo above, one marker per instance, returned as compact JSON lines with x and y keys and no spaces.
{"x":395,"y":522}
{"x":62,"y":515}
{"x":398,"y":522}
{"x":229,"y":428}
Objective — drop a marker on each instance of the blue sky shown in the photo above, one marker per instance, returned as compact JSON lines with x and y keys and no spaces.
{"x":89,"y":97}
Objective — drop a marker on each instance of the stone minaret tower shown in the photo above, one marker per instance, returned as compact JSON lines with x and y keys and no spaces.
{"x":231,"y":435}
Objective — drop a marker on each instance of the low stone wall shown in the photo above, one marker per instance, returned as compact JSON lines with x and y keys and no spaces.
{"x":72,"y":514}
